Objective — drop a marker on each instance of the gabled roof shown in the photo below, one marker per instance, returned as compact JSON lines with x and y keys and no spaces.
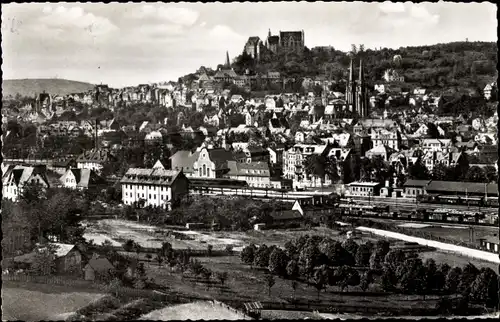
{"x":150,"y":176}
{"x":95,"y":156}
{"x":100,"y":264}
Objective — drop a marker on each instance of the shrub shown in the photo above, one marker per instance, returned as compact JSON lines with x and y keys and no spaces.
{"x":101,"y":305}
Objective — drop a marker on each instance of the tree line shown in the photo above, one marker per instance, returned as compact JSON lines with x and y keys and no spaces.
{"x":323,"y":262}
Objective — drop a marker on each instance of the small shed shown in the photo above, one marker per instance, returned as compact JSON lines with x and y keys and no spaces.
{"x":97,"y":268}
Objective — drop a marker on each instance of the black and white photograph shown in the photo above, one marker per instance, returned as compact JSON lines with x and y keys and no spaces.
{"x":249,"y":161}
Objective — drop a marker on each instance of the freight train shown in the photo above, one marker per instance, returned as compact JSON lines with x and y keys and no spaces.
{"x":421,"y":214}
{"x":459,"y":200}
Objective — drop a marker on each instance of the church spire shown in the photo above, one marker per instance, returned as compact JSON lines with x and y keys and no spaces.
{"x":228,"y":64}
{"x":269,"y":33}
{"x":361,"y":72}
{"x":351,"y":72}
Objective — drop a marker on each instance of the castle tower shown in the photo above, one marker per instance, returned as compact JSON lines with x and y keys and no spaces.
{"x":228,"y":64}
{"x":350,"y":93}
{"x":362,"y":103}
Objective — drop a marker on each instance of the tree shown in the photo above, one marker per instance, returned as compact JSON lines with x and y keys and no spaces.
{"x":262,"y":256}
{"x":431,"y":274}
{"x":159,"y":259}
{"x":366,"y":280}
{"x":413,"y":276}
{"x":209,"y":250}
{"x":440,"y":172}
{"x":320,"y":278}
{"x":229,"y":249}
{"x":469,"y":274}
{"x":363,"y":255}
{"x":167,"y":251}
{"x":222,"y":277}
{"x":292,"y":269}
{"x":375,"y":260}
{"x":128,"y":246}
{"x":388,"y":280}
{"x":476,"y":174}
{"x":44,"y":261}
{"x":350,"y":246}
{"x":418,"y":171}
{"x":115,"y":285}
{"x":248,"y":254}
{"x":294,"y":286}
{"x":394,"y":258}
{"x":484,"y":289}
{"x":206,"y":275}
{"x":453,"y":280}
{"x":308,"y":258}
{"x":348,"y":277}
{"x":491,"y":173}
{"x":278,"y":262}
{"x":269,"y":282}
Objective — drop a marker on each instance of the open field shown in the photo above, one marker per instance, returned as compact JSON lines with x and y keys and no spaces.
{"x":118,"y":231}
{"x":47,"y":303}
{"x":192,"y":311}
{"x":457,"y":260}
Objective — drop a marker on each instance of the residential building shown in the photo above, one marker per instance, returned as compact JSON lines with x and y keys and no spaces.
{"x":184,"y":161}
{"x":81,"y":179}
{"x":155,"y":187}
{"x":94,"y":160}
{"x":391,"y":75}
{"x":293,"y":164}
{"x":390,"y":138}
{"x":15,"y":178}
{"x":256,"y":174}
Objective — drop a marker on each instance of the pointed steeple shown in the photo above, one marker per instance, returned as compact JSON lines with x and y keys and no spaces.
{"x":269,"y":33}
{"x":228,"y":64}
{"x":361,"y":72}
{"x":351,"y":72}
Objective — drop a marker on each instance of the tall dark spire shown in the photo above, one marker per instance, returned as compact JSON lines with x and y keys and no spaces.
{"x":228,"y":64}
{"x":361,"y":72}
{"x":351,"y":72}
{"x":269,"y":33}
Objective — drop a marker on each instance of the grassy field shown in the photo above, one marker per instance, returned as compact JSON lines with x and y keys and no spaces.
{"x":31,"y":302}
{"x":456,"y":260}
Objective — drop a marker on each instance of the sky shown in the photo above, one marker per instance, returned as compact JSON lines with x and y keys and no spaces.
{"x":129,"y":44}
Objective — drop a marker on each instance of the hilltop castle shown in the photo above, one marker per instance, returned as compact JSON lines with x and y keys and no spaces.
{"x":356,"y":95}
{"x":286,"y":41}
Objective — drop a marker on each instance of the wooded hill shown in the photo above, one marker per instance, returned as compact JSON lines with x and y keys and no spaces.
{"x":440,"y":66}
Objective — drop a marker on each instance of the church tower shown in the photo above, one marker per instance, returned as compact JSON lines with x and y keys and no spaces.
{"x":361,"y":95}
{"x":350,"y":93}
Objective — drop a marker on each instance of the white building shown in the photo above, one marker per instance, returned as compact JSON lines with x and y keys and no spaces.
{"x":81,"y":179}
{"x":93,"y":160}
{"x":14,"y":180}
{"x":156,"y":187}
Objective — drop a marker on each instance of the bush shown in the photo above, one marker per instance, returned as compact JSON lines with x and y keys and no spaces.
{"x":74,"y":317}
{"x":101,"y":305}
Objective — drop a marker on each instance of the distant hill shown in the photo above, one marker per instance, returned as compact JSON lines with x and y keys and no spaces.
{"x":30,"y":87}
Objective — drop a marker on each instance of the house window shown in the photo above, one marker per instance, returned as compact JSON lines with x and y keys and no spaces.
{"x":208,"y":172}
{"x":204,"y":170}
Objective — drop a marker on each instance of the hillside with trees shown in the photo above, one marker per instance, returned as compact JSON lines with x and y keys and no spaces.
{"x":456,"y":64}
